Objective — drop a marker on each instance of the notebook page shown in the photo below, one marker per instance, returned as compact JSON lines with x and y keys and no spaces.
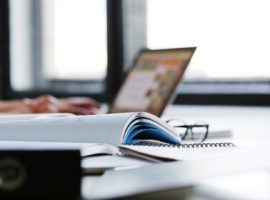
{"x":180,"y":152}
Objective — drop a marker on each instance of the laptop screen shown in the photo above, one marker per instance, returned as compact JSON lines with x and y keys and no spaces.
{"x":152,"y":81}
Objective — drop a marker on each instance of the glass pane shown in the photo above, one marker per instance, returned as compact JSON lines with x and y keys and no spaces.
{"x":20,"y":44}
{"x":75,"y":44}
{"x":232,"y":36}
{"x":57,"y":40}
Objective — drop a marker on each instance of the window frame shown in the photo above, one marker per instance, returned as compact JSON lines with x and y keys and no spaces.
{"x":114,"y":69}
{"x":234,"y":97}
{"x":4,"y":48}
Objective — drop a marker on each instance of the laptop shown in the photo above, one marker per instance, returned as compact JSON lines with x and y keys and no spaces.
{"x":151,"y":83}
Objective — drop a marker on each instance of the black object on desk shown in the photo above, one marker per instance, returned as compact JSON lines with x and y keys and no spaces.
{"x":42,"y":174}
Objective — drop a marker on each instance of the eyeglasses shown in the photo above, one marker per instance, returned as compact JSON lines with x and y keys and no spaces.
{"x":197,"y":131}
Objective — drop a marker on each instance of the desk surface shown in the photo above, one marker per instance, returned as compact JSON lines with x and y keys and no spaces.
{"x":249,"y":126}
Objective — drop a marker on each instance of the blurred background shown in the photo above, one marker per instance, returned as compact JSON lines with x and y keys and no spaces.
{"x":86,"y":47}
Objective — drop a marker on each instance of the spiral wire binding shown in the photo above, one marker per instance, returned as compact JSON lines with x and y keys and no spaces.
{"x":191,"y":145}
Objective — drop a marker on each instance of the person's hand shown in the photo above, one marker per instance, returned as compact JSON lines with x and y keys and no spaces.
{"x":75,"y":105}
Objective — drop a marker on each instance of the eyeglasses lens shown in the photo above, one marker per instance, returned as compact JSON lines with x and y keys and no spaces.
{"x":199,"y":131}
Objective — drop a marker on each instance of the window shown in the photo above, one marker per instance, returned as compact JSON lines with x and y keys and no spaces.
{"x":232,"y":39}
{"x":74,"y":39}
{"x":83,"y":47}
{"x":58,"y":45}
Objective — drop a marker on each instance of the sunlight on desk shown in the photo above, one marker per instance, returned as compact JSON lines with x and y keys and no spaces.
{"x":252,"y":185}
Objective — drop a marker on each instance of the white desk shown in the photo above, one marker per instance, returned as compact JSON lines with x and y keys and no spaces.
{"x":249,"y":126}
